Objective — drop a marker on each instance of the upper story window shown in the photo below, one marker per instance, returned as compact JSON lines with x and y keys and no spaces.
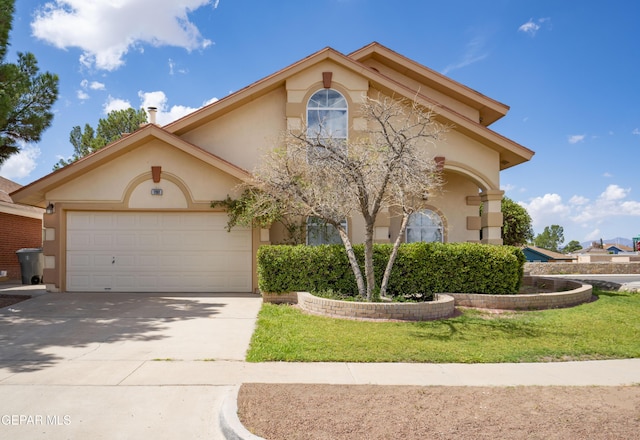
{"x":425,"y":226}
{"x":327,"y":115}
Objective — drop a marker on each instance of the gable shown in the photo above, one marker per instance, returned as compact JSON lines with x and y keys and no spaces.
{"x":134,"y":182}
{"x":105,"y":174}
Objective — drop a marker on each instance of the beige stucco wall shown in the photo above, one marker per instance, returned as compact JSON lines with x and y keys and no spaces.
{"x":112,"y":181}
{"x":470,"y":157}
{"x":240,"y":135}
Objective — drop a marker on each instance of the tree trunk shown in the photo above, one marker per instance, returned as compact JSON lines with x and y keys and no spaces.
{"x":394,"y":254}
{"x":355,"y":267}
{"x":368,"y":261}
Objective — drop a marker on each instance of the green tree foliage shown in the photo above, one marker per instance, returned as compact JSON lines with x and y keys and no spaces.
{"x":551,"y":238}
{"x":110,"y":129}
{"x":572,"y":246}
{"x":516,"y":227}
{"x":26,"y":96}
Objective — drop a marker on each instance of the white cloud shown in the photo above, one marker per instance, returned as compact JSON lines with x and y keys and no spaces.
{"x":610,"y":203}
{"x":607,"y":174}
{"x":20,"y":165}
{"x":173,"y":68}
{"x":474,"y":53}
{"x":115,"y":104}
{"x":86,"y":85}
{"x":165,"y":113}
{"x":529,"y":27}
{"x":95,"y":85}
{"x":106,"y":31}
{"x":614,"y":192}
{"x":593,"y":235}
{"x":581,"y":217}
{"x":532,"y":26}
{"x":630,"y":208}
{"x":507,"y":187}
{"x":636,"y":132}
{"x":578,"y":201}
{"x":210,"y":101}
{"x":574,"y":139}
{"x":546,"y":210}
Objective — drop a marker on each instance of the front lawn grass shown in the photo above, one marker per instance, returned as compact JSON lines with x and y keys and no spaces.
{"x":608,"y":328}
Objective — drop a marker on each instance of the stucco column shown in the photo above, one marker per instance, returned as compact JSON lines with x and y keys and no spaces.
{"x":491,"y":221}
{"x":51,"y":252}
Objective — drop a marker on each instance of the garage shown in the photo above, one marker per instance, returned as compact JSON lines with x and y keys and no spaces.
{"x":156,"y":252}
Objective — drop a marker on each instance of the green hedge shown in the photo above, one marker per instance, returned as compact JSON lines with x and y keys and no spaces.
{"x":420,"y":268}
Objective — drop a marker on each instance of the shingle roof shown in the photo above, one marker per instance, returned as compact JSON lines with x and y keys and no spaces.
{"x":552,"y":255}
{"x":7,"y":187}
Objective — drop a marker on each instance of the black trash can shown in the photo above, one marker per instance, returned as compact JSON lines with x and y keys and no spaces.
{"x":31,"y":265}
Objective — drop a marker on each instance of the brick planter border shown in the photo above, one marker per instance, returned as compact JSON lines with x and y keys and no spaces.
{"x":566,"y":293}
{"x":443,"y":307}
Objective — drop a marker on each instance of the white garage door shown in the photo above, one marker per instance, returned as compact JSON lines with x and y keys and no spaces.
{"x":156,"y":252}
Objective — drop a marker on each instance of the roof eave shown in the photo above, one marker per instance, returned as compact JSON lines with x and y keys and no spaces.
{"x":490,"y":110}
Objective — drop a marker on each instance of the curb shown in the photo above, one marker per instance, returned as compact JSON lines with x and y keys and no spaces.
{"x":230,"y":424}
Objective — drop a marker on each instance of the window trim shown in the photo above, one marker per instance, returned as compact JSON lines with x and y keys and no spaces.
{"x":439,"y":228}
{"x":345,"y":116}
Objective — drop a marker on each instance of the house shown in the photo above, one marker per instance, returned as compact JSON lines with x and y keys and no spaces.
{"x":136,"y":215}
{"x":535,"y":254}
{"x":606,"y":253}
{"x":617,"y":248}
{"x":20,"y":227}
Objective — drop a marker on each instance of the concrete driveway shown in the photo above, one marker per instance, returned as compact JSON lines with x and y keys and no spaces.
{"x":97,"y":365}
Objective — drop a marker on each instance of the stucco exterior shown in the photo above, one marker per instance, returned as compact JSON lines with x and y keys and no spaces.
{"x":203,"y":156}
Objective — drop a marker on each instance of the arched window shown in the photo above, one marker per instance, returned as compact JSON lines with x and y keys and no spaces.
{"x":327,"y":115}
{"x":425,"y":226}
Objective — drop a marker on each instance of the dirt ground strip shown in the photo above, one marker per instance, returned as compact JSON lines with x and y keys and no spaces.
{"x":296,"y":411}
{"x":9,"y":300}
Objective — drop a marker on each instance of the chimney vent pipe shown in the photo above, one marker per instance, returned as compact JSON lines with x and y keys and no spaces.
{"x":152,"y":114}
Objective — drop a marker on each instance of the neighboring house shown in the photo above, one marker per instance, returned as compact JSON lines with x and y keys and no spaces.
{"x":535,"y":254}
{"x":136,"y":215}
{"x":20,"y":227}
{"x":606,"y":253}
{"x":617,"y":248}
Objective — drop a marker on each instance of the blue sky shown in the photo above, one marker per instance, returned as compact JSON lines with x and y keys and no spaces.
{"x":568,"y":70}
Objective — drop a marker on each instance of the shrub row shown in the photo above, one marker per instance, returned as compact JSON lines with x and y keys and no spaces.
{"x":420,"y":268}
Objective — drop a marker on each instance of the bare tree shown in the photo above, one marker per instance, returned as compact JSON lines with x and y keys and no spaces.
{"x":389,"y":165}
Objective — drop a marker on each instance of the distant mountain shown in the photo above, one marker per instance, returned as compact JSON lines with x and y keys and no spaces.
{"x":618,"y":240}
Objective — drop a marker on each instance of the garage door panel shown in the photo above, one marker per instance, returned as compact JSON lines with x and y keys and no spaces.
{"x":98,"y":222}
{"x":156,"y":252}
{"x":80,"y":240}
{"x":103,"y":241}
